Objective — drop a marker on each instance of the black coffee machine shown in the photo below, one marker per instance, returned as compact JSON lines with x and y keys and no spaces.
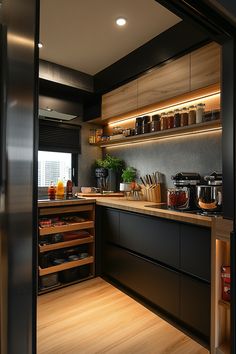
{"x":189,"y":180}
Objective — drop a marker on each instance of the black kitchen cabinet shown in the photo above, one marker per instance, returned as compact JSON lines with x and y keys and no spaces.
{"x":195,"y":304}
{"x":152,"y":281}
{"x":151,"y":237}
{"x":195,"y":251}
{"x":165,"y":262}
{"x":110,"y":219}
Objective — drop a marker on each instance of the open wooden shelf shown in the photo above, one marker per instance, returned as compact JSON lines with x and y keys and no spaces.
{"x":62,"y":285}
{"x":64,"y":244}
{"x":66,"y":265}
{"x":225,"y":304}
{"x":223,"y":349}
{"x":64,"y":228}
{"x":168,"y":133}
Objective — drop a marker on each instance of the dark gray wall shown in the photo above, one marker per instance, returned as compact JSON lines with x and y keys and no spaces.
{"x":195,"y":153}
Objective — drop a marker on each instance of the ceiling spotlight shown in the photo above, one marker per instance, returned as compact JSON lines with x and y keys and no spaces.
{"x":121,"y":21}
{"x":40,"y":45}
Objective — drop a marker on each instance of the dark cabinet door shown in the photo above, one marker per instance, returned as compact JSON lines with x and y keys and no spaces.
{"x":195,"y":304}
{"x":155,"y":283}
{"x":110,"y":225}
{"x":196,"y":251}
{"x":151,"y":237}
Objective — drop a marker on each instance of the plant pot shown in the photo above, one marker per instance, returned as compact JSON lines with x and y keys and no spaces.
{"x":125,"y":187}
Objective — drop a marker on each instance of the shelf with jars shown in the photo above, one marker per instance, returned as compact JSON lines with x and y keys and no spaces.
{"x":191,"y":113}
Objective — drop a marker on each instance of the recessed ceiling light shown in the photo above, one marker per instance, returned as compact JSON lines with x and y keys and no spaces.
{"x":121,"y":21}
{"x":40,"y":45}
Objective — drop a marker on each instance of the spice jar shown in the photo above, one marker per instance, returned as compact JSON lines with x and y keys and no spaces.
{"x":170,"y":120}
{"x":200,"y":108}
{"x":155,"y":123}
{"x":164,"y":122}
{"x":138,"y":125}
{"x":192,"y":115}
{"x":69,"y":189}
{"x":176,"y":118}
{"x":184,"y":117}
{"x":146,"y":124}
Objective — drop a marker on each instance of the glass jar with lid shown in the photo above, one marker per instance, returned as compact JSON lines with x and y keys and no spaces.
{"x":176,"y":118}
{"x":184,"y":117}
{"x":155,"y":123}
{"x":164,"y":122}
{"x":192,"y":115}
{"x":170,"y":120}
{"x":200,"y":109}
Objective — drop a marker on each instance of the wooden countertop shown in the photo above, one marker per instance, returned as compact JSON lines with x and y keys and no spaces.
{"x":140,"y":207}
{"x":44,"y":203}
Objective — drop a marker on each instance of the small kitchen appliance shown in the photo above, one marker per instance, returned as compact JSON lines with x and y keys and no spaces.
{"x":209,"y":197}
{"x":183,"y":195}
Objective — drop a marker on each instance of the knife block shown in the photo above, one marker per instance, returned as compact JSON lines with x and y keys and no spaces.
{"x":152,"y":194}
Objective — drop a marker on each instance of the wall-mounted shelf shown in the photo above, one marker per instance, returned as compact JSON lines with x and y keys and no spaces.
{"x":169,"y":133}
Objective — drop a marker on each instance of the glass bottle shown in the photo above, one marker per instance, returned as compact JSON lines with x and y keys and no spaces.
{"x":51,"y":191}
{"x":184,"y":117}
{"x":69,"y":189}
{"x":60,"y":190}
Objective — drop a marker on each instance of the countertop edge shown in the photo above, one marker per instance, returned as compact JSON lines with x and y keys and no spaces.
{"x":166,"y":214}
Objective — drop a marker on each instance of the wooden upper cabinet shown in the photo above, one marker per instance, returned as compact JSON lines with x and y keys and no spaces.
{"x":205,"y":66}
{"x":121,"y":100}
{"x":170,"y":80}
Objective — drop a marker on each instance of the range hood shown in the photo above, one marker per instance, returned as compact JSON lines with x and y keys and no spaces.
{"x":54,"y":115}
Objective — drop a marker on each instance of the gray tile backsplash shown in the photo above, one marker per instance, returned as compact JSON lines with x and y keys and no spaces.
{"x":195,"y":153}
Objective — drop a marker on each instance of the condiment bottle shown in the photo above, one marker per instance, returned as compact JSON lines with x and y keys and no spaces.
{"x":60,"y":190}
{"x":192,"y":115}
{"x":69,"y":189}
{"x":184,"y":117}
{"x":51,"y":191}
{"x":170,"y":120}
{"x":164,"y":122}
{"x":200,"y":108}
{"x":176,"y":118}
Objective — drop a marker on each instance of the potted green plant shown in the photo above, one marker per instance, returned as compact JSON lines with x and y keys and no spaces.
{"x":108,"y":168}
{"x":128,"y":177}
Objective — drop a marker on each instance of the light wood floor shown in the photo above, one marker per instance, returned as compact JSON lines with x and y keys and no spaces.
{"x":94,"y":317}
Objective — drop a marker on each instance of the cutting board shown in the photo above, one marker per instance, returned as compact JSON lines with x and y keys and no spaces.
{"x":96,"y":195}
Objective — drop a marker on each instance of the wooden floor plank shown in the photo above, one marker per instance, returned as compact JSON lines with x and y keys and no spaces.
{"x":94,"y":317}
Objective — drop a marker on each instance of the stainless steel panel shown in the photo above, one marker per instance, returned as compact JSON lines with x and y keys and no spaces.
{"x":18,"y":230}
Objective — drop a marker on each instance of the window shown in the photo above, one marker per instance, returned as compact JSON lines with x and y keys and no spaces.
{"x":53,"y":166}
{"x":59,"y":146}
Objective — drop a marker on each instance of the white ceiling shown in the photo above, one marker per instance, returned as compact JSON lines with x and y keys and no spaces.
{"x":81,"y":34}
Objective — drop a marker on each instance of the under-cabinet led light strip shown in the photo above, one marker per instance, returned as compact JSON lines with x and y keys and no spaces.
{"x":178,"y":105}
{"x":177,"y":136}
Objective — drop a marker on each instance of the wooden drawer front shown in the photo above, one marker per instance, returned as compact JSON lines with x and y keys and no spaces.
{"x":121,"y":100}
{"x":155,"y":283}
{"x":205,"y":66}
{"x":151,"y":237}
{"x":195,"y":304}
{"x":196,"y":251}
{"x":170,"y":80}
{"x":110,"y":225}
